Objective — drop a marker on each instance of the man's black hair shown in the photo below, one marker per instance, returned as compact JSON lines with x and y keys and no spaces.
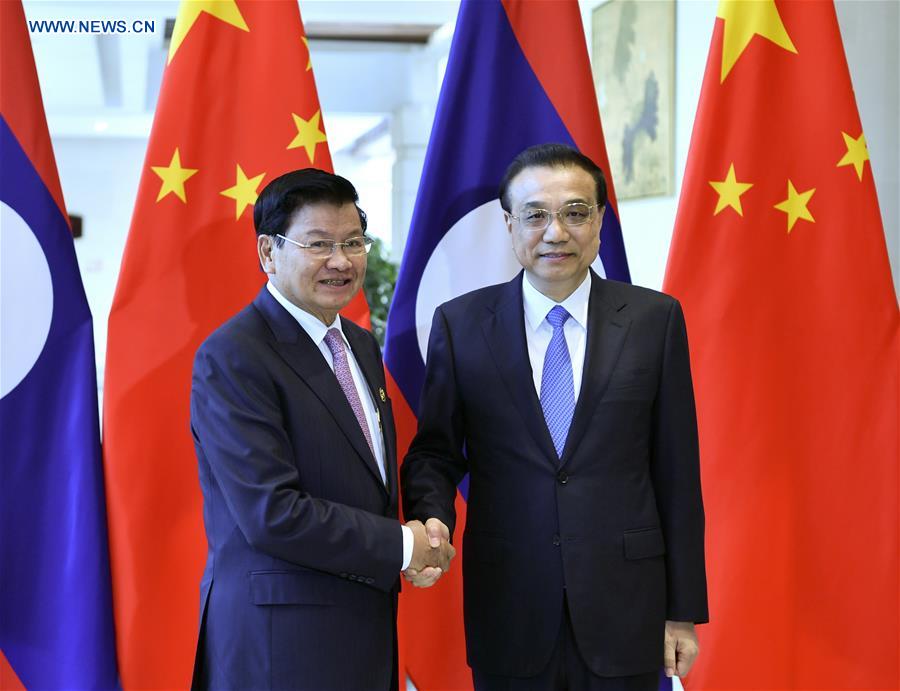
{"x":288,"y":193}
{"x":551,"y":156}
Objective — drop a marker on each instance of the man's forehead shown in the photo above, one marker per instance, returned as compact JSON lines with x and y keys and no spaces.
{"x":326,"y":218}
{"x":538,"y":178}
{"x":563,"y":184}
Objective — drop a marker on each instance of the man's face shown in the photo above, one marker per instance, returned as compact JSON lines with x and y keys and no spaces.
{"x":556,"y":259}
{"x":321,"y":286}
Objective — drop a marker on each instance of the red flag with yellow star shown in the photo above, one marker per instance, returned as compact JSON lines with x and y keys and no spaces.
{"x":779,"y":260}
{"x":238,"y":107}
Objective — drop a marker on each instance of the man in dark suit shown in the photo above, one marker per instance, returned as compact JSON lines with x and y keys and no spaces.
{"x":295,"y":442}
{"x":568,"y":400}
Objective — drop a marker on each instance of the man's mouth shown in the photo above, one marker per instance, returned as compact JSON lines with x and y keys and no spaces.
{"x":335,"y":282}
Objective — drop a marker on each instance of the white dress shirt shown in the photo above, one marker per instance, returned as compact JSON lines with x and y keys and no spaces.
{"x":538,"y":330}
{"x":316,"y":330}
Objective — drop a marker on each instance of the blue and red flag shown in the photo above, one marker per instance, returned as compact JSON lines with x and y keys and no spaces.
{"x":56,"y":626}
{"x":507,"y":87}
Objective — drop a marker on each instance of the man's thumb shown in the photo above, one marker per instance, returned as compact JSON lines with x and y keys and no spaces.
{"x":669,"y":658}
{"x":433,"y":530}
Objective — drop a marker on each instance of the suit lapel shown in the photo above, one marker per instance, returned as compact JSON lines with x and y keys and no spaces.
{"x":606,"y":332}
{"x":373,"y":373}
{"x":505,"y":333}
{"x":304,"y":357}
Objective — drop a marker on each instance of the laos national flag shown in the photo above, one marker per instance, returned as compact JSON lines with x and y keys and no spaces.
{"x":56,"y":629}
{"x":518,"y":75}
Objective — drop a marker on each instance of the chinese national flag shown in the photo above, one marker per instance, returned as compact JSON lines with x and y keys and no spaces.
{"x":238,"y":107}
{"x":779,"y":259}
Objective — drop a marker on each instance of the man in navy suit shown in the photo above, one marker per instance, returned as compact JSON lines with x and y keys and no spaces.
{"x":296,"y":449}
{"x":568,"y":400}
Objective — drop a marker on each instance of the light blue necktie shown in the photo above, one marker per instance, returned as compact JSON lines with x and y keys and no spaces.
{"x":557,"y":381}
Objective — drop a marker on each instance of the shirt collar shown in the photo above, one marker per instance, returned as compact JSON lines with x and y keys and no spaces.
{"x":537,"y":305}
{"x":311,"y":324}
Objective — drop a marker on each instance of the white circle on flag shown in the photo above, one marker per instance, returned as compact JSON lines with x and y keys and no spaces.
{"x":26,"y":299}
{"x":475,"y":252}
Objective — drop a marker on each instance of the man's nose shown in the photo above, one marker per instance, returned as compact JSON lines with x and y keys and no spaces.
{"x":556,"y":231}
{"x":338,"y":259}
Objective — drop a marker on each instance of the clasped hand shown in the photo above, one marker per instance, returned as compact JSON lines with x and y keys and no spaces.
{"x":432,"y":552}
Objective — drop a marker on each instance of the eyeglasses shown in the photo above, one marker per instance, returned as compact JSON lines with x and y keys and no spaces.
{"x":574,"y":214}
{"x":354,"y":247}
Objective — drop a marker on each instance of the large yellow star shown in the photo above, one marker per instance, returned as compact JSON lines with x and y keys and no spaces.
{"x":190,"y":10}
{"x":795,"y":205}
{"x":857,"y":153}
{"x":308,"y":55}
{"x":244,"y":191}
{"x":730,"y":191}
{"x":745,"y":19}
{"x":308,"y":134}
{"x":173,"y":177}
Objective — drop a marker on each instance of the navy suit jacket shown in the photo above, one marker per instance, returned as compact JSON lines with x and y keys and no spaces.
{"x":301,"y":580}
{"x":616,"y":524}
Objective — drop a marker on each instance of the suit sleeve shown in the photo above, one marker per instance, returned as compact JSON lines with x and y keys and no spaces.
{"x":675,"y":468}
{"x":237,"y":421}
{"x":435,"y":464}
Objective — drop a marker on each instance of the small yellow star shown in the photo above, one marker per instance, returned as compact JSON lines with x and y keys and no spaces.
{"x":173,"y":177}
{"x":308,"y":55}
{"x":190,"y":11}
{"x":745,"y":19}
{"x":308,"y":134}
{"x":244,"y":191}
{"x":795,"y":205}
{"x":857,"y":153}
{"x":729,"y":191}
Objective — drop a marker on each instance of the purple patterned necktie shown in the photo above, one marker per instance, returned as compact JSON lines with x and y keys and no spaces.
{"x":335,"y":343}
{"x":557,"y":381}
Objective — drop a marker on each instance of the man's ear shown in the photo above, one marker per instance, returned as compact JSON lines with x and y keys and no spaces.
{"x":264,"y":246}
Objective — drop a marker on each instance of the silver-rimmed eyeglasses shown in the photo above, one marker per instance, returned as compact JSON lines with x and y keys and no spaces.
{"x":574,"y":214}
{"x":353,"y":247}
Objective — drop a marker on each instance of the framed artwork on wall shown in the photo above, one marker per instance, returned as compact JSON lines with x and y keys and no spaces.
{"x":633,"y":61}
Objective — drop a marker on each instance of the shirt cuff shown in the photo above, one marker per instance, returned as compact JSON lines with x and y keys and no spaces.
{"x":408,"y":541}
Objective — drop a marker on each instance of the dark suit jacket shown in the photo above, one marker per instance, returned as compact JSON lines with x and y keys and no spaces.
{"x":616,"y":523}
{"x":300,"y":586}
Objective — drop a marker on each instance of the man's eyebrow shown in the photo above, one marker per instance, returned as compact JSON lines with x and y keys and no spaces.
{"x":545,"y":205}
{"x":319,"y":233}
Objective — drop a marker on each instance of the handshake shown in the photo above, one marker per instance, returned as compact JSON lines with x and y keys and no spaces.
{"x":432,"y":552}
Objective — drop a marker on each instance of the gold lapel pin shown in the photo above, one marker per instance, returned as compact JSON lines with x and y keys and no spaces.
{"x":381,"y":395}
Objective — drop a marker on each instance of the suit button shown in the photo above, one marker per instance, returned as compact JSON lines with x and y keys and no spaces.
{"x":370,"y":581}
{"x":556,"y":540}
{"x":562,"y":477}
